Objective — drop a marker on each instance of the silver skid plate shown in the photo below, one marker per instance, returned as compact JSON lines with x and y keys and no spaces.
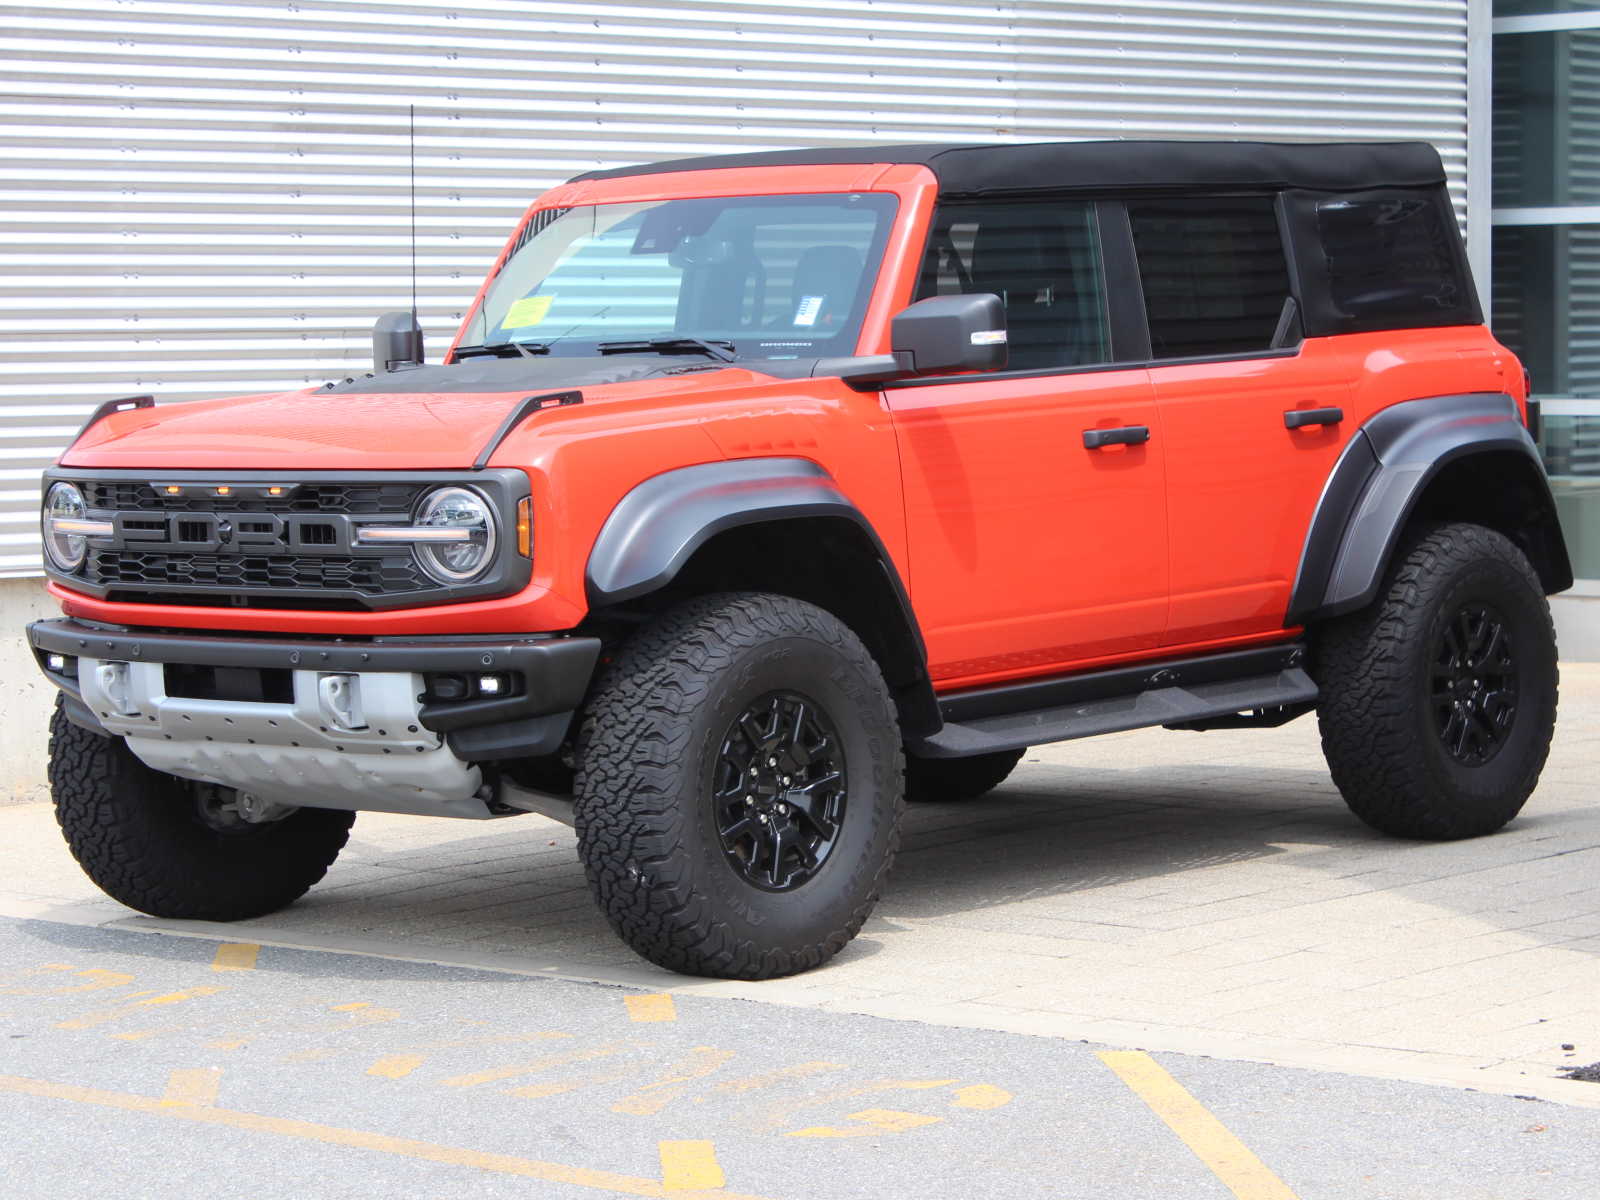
{"x":293,"y":753}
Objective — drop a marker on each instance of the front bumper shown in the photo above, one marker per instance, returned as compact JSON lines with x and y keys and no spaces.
{"x":334,"y":724}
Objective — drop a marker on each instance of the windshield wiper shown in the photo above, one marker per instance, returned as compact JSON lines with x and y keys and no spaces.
{"x":676,"y":344}
{"x":504,"y":349}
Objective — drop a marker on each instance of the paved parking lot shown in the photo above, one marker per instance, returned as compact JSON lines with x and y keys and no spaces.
{"x":1199,"y":893}
{"x":145,"y":1066}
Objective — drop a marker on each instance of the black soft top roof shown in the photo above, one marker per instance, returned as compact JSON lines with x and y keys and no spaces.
{"x":979,"y":170}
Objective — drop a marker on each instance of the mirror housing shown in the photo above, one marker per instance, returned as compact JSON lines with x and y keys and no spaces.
{"x":396,"y":342}
{"x":939,"y":335}
{"x":951,"y":333}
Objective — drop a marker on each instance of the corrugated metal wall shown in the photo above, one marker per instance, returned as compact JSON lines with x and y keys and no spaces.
{"x":200,"y":198}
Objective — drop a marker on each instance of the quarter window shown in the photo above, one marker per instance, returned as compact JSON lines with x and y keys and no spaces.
{"x":1213,"y":273}
{"x":1392,"y":255}
{"x":1042,"y":260}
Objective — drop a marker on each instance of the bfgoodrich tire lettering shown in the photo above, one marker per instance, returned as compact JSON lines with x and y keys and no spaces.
{"x":140,"y":835}
{"x":649,"y":762}
{"x":1394,"y":680}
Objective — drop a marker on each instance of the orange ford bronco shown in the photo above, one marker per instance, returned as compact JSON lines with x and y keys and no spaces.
{"x":758,"y":494}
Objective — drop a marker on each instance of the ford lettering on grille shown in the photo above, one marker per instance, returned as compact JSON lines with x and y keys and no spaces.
{"x":235,"y":533}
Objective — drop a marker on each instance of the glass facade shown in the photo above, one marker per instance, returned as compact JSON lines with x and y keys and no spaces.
{"x":1545,"y":252}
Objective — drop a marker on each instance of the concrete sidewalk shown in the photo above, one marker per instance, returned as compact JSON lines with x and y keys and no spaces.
{"x":1203,"y":893}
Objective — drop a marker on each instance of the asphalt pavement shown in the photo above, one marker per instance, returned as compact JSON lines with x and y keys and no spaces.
{"x":1149,"y":965}
{"x":142,"y":1066}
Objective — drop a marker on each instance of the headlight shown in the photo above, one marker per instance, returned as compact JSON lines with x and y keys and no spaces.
{"x":64,"y":509}
{"x":466,"y":538}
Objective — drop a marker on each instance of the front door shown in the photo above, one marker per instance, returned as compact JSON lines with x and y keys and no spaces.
{"x":1035,"y":497}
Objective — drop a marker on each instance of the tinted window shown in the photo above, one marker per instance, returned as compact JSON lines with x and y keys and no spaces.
{"x":1390,"y":254}
{"x":1042,"y":260}
{"x":1213,"y":273}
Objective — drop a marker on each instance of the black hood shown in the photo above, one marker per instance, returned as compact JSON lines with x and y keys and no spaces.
{"x":542,"y":374}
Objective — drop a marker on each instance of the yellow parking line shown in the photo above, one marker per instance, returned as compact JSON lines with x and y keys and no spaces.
{"x":358,"y":1139}
{"x":1229,"y":1159}
{"x":657,"y":1006}
{"x":99,"y":981}
{"x":197,"y":1085}
{"x":871,"y":1121}
{"x":533,"y":1066}
{"x":982,"y":1096}
{"x":236,"y":956}
{"x":396,"y":1066}
{"x":690,"y":1167}
{"x":653,"y":1097}
{"x":132,"y":1003}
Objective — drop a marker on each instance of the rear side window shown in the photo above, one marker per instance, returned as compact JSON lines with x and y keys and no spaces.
{"x":1213,"y":273}
{"x":1043,"y":260}
{"x":1390,"y":255}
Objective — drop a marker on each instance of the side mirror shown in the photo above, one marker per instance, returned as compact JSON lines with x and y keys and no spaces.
{"x":396,"y":342}
{"x":951,"y":333}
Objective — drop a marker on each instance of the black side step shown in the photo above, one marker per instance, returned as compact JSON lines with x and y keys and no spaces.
{"x":1162,"y":693}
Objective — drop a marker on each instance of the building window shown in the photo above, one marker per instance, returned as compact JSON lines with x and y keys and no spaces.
{"x":1545,"y":253}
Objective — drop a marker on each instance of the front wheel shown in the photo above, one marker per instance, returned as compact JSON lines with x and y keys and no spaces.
{"x":738,"y":791}
{"x":1439,"y":701}
{"x":173,"y":848}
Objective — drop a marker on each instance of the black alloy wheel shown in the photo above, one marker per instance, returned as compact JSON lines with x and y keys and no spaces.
{"x":739,"y":787}
{"x":1474,"y":684}
{"x":780,"y":791}
{"x":1439,"y":699}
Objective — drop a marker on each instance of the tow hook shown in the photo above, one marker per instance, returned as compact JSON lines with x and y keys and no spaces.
{"x":113,"y":680}
{"x":340,"y":698}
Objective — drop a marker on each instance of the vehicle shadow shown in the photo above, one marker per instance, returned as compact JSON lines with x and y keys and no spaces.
{"x":1052,"y":831}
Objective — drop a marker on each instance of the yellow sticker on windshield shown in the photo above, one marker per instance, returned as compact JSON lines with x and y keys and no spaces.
{"x":530,"y":310}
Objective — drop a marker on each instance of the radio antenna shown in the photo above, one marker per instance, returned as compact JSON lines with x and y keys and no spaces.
{"x":413,"y":132}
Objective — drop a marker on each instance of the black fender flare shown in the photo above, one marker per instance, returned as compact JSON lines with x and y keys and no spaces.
{"x":1375,"y":486}
{"x":656,"y":528}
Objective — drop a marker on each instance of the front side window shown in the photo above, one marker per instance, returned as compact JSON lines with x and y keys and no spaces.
{"x":1213,"y":274}
{"x":1043,"y":260}
{"x":764,"y":276}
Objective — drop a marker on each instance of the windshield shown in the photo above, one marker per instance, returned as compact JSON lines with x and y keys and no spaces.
{"x":763,"y":276}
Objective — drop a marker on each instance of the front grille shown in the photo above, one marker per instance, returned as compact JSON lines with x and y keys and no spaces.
{"x":176,"y":540}
{"x":387,"y":575}
{"x":356,"y":499}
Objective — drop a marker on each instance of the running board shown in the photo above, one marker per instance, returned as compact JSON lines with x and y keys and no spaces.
{"x":1170,"y":693}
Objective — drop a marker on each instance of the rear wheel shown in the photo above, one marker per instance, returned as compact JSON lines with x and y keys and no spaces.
{"x":946,"y":780}
{"x":174,"y":848}
{"x":738,"y":790}
{"x":1439,"y":701}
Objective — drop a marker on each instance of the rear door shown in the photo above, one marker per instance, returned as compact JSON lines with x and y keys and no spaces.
{"x":1032,"y":546}
{"x":1253,"y":417}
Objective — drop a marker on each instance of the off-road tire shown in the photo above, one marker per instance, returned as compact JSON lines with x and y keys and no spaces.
{"x":1383,"y":742}
{"x":138,"y":834}
{"x":645,"y":808}
{"x":947,"y":780}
